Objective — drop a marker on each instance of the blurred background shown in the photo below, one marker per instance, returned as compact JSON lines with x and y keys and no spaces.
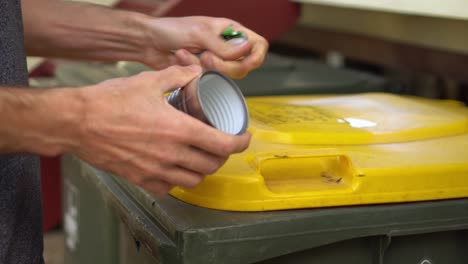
{"x":316,"y":46}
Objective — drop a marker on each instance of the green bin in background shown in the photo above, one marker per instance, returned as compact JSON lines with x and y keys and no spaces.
{"x":281,"y":75}
{"x":95,"y":234}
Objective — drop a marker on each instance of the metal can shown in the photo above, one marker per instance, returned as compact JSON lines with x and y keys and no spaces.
{"x":214,"y":99}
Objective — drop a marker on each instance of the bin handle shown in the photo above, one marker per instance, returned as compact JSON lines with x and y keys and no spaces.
{"x":294,"y":173}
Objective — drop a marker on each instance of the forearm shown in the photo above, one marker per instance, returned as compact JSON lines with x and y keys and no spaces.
{"x":56,"y":28}
{"x":41,"y":121}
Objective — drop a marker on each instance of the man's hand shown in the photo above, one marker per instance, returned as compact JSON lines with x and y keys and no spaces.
{"x":179,"y":40}
{"x":130,"y":129}
{"x":124,"y":126}
{"x":84,"y":31}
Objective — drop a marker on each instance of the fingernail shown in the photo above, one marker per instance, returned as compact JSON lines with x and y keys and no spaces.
{"x":237,"y":41}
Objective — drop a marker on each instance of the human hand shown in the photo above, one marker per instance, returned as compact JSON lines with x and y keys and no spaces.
{"x":179,"y":41}
{"x":130,"y":129}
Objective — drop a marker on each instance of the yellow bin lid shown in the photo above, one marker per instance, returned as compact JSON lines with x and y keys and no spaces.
{"x":319,"y":151}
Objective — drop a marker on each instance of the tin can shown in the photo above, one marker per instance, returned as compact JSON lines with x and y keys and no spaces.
{"x":214,"y":99}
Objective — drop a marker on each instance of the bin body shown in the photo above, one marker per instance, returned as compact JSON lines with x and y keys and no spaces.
{"x":90,"y":224}
{"x":167,"y":230}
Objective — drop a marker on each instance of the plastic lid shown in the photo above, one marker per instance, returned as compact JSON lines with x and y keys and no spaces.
{"x":359,"y":119}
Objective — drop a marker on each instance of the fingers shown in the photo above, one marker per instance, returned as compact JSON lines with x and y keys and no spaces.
{"x":177,"y":176}
{"x":237,"y":68}
{"x":171,"y":78}
{"x":161,"y":61}
{"x":186,"y":167}
{"x":257,"y":54}
{"x":234,"y":69}
{"x":212,"y":140}
{"x":185,"y":156}
{"x":149,"y":169}
{"x":156,"y":187}
{"x":211,"y":39}
{"x":185,"y":57}
{"x":198,"y":161}
{"x":234,"y":57}
{"x":228,"y":50}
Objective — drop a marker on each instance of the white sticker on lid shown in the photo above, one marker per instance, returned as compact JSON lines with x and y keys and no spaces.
{"x":71,"y":217}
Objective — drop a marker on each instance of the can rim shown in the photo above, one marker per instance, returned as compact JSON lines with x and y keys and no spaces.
{"x":238,"y":92}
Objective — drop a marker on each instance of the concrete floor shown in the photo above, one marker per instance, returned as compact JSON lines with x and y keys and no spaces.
{"x":54,"y":247}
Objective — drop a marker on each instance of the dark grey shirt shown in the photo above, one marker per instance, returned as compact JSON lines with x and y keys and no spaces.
{"x":20,"y":199}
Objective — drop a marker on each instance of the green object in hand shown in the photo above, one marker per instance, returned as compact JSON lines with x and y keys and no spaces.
{"x":229,"y":33}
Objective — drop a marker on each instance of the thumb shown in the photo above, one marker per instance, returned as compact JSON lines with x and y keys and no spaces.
{"x":228,"y":50}
{"x":175,"y":77}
